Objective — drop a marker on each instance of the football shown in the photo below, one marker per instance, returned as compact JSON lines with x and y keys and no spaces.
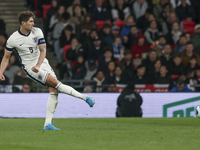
{"x":198,"y":111}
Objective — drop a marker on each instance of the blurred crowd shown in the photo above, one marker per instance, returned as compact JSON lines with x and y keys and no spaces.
{"x":119,"y":41}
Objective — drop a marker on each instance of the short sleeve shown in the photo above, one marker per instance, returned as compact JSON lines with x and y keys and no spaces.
{"x":41,"y":39}
{"x":10,"y":45}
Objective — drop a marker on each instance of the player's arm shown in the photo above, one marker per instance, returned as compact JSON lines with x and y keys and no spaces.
{"x":4,"y":64}
{"x":42,"y":48}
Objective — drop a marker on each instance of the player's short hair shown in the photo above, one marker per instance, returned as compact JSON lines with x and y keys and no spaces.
{"x":25,"y":16}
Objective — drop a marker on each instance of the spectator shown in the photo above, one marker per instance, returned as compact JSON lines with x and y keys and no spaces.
{"x":192,"y":65}
{"x":136,"y":63}
{"x":152,"y":34}
{"x":26,"y":87}
{"x":105,"y":32}
{"x":167,"y":25}
{"x":108,"y":21}
{"x":110,"y":70}
{"x":120,"y":11}
{"x":112,"y":88}
{"x":140,"y":47}
{"x":126,"y":28}
{"x":127,"y":64}
{"x":143,"y":21}
{"x":68,"y":69}
{"x":176,"y":65}
{"x":167,"y":9}
{"x":180,"y":46}
{"x":156,"y":72}
{"x":197,"y":75}
{"x":106,"y":58}
{"x":88,"y":42}
{"x":41,"y":4}
{"x":166,"y":58}
{"x":2,"y":26}
{"x":53,"y":20}
{"x":87,"y":23}
{"x":139,"y":8}
{"x":132,"y":37}
{"x":61,"y":25}
{"x":129,"y":103}
{"x":190,"y":79}
{"x":57,"y":16}
{"x":196,"y":36}
{"x":153,"y":18}
{"x":82,"y":36}
{"x":88,"y":89}
{"x":99,"y":11}
{"x":50,"y":12}
{"x":196,"y":5}
{"x":88,"y":71}
{"x":185,"y":12}
{"x":5,"y":82}
{"x":188,"y":36}
{"x":77,"y":16}
{"x":64,"y":39}
{"x":3,"y":39}
{"x":176,"y":3}
{"x":101,"y":81}
{"x":119,"y":77}
{"x":66,"y":36}
{"x":11,"y":69}
{"x":80,"y":63}
{"x":75,"y":2}
{"x":141,"y":77}
{"x":150,"y":61}
{"x":164,"y":77}
{"x":96,"y":50}
{"x":111,"y":38}
{"x":30,"y":4}
{"x":118,"y":49}
{"x":189,"y":52}
{"x":66,"y":3}
{"x":160,"y":46}
{"x":173,"y":36}
{"x":180,"y":87}
{"x":75,"y":50}
{"x":20,"y":77}
{"x":158,"y":8}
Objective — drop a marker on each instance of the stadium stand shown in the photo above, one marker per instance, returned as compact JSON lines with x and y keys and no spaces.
{"x":129,"y":37}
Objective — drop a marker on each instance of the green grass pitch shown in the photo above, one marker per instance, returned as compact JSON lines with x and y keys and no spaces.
{"x":101,"y":134}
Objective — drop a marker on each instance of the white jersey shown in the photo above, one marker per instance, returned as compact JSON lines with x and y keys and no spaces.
{"x":26,"y":46}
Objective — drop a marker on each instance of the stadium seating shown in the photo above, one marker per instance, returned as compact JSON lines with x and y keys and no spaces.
{"x":65,"y":49}
{"x":45,"y":9}
{"x":119,"y":23}
{"x":188,"y":27}
{"x":99,"y":24}
{"x":37,"y":11}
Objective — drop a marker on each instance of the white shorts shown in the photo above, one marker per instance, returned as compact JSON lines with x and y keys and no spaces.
{"x":40,"y":76}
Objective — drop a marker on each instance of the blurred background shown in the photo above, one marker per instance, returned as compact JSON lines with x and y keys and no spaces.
{"x":102,"y":45}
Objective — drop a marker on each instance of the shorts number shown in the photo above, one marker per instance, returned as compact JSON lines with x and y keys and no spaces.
{"x":31,"y":49}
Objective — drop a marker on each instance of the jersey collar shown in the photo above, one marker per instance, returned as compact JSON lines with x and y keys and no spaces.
{"x":22,"y":33}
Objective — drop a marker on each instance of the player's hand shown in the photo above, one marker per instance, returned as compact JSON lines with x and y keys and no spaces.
{"x":35,"y":69}
{"x":2,"y":78}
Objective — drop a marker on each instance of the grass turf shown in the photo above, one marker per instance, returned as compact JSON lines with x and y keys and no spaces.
{"x":101,"y":134}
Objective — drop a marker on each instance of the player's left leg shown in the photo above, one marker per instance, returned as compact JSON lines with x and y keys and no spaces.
{"x":50,"y":110}
{"x":52,"y":82}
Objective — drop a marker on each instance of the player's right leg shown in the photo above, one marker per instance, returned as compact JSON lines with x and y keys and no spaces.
{"x":52,"y":82}
{"x":50,"y":110}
